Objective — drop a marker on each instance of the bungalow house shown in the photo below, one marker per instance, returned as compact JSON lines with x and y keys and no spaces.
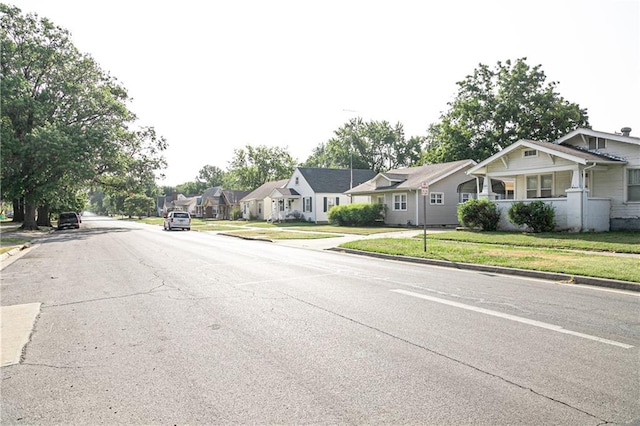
{"x":591,"y":178}
{"x":230,"y":201}
{"x":185,"y":204}
{"x":210,"y":203}
{"x":164,"y":203}
{"x":257,"y":204}
{"x":311,"y":192}
{"x":401,"y":191}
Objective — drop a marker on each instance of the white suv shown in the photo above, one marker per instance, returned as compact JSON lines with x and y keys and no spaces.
{"x":176,"y":220}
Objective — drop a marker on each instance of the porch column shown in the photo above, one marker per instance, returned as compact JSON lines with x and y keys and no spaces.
{"x":576,"y":195}
{"x":486,"y":192}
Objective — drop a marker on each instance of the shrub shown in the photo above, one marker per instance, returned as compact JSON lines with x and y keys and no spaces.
{"x":361,"y":214}
{"x":537,"y":215}
{"x":236,"y":213}
{"x":482,"y":214}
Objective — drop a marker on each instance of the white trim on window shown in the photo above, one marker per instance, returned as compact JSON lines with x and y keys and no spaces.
{"x":632,"y":185}
{"x":528,"y":153}
{"x":436,"y":198}
{"x":597,"y":143}
{"x":539,"y":186}
{"x":400,"y":202}
{"x":466,"y":196}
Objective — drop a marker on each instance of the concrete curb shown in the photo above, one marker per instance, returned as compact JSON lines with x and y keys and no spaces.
{"x":551,"y":276}
{"x":14,"y":251}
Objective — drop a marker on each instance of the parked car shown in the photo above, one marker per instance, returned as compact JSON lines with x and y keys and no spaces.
{"x":177,"y":220}
{"x":69,"y":220}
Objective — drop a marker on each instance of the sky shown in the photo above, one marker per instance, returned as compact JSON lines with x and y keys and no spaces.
{"x":215,"y":76}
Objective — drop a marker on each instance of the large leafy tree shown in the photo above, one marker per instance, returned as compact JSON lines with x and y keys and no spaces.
{"x":495,"y":107}
{"x":373,"y":145}
{"x":211,"y":176}
{"x":65,"y":123}
{"x":253,"y":166}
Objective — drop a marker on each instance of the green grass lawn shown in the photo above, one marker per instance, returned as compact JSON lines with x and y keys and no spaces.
{"x":496,"y":250}
{"x":614,"y":242}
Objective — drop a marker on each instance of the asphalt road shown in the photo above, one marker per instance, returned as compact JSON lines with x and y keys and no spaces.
{"x":142,"y":326}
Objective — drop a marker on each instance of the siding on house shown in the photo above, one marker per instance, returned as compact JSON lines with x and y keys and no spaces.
{"x":589,"y":179}
{"x":443,"y":180}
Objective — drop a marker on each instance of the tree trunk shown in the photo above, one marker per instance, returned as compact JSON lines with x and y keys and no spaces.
{"x":18,"y":210}
{"x":29,"y":223}
{"x":44,"y":218}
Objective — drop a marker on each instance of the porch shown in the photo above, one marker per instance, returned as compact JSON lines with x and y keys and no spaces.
{"x":590,"y":214}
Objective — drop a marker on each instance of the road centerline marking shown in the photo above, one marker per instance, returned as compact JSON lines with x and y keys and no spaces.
{"x":515,"y":318}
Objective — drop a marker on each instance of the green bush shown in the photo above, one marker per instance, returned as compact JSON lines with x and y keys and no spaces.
{"x":537,"y":215}
{"x":361,"y":214}
{"x":236,"y":213}
{"x":482,"y":214}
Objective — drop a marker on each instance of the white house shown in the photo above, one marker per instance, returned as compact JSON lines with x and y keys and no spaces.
{"x":311,"y":192}
{"x":591,"y":178}
{"x":257,"y":204}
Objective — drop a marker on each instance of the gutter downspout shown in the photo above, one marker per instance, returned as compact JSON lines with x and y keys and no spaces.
{"x":418,"y":191}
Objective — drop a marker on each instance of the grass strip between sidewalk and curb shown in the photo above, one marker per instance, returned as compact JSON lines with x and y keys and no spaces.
{"x":590,"y":264}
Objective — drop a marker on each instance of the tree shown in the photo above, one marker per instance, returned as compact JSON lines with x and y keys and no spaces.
{"x":495,"y":108}
{"x":211,"y":176}
{"x":138,"y":205}
{"x":253,"y":166}
{"x":374,"y":145}
{"x":191,"y":188}
{"x":65,"y":124}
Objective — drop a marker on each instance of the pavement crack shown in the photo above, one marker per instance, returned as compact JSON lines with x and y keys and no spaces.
{"x":155,"y":289}
{"x":58,"y":367}
{"x":450,"y":358}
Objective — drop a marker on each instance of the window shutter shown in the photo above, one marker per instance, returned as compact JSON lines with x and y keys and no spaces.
{"x":337,"y":201}
{"x":325,"y":204}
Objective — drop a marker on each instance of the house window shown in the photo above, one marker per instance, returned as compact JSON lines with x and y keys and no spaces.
{"x":633,"y":185}
{"x":306,"y":204}
{"x":400,"y":202}
{"x":297,"y":180}
{"x":597,"y":143}
{"x":259,"y":208}
{"x":436,"y":198}
{"x":539,"y":186}
{"x":530,"y":153}
{"x":330,"y":202}
{"x":466,"y":196}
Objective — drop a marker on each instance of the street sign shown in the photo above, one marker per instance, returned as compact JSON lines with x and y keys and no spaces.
{"x":425,"y":188}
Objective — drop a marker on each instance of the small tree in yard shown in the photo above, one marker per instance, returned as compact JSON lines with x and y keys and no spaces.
{"x":138,"y":205}
{"x":537,"y":215}
{"x":481,"y":214}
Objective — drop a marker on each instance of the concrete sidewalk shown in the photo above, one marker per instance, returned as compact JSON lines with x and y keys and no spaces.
{"x":16,"y":325}
{"x":334,"y":243}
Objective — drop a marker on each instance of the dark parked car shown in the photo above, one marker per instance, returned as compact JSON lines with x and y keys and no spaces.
{"x":69,"y":220}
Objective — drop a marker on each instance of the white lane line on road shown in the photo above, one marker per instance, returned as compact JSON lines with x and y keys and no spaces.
{"x":522,"y":320}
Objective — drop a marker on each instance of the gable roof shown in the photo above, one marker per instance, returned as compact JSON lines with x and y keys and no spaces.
{"x":233,"y":196}
{"x":334,"y":180}
{"x":565,"y":151}
{"x":411,"y":178}
{"x":264,"y":190}
{"x":211,"y":193}
{"x":589,"y":132}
